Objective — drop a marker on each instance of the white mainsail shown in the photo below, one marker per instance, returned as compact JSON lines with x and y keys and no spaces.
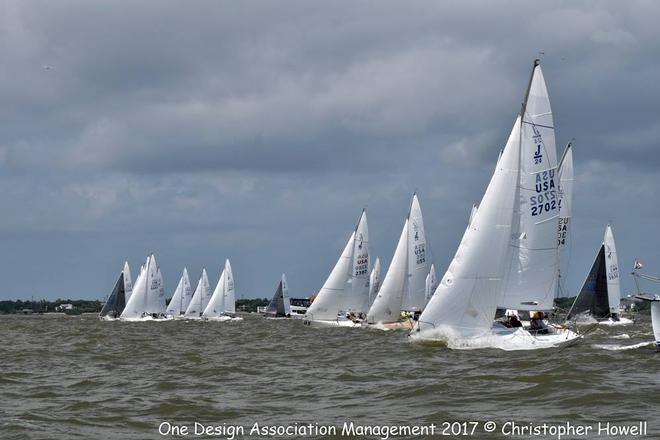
{"x":430,"y":283}
{"x":534,"y":264}
{"x":347,"y":286}
{"x":285,"y":296}
{"x":230,"y":293}
{"x":182,"y":296}
{"x":387,"y":305}
{"x":467,"y":296}
{"x":566,"y":179}
{"x":200,"y":298}
{"x":155,"y":303}
{"x":418,"y":260}
{"x":128,"y":284}
{"x":374,"y":281}
{"x":612,"y":271}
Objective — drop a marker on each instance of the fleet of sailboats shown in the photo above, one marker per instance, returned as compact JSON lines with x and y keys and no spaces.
{"x":497,"y":290}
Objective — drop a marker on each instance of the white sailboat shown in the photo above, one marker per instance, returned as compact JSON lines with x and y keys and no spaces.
{"x":222,"y":305}
{"x":280,"y":304}
{"x":600,"y":296}
{"x":374,"y":281}
{"x":181,"y":298}
{"x":147,"y":302}
{"x":404,"y":286}
{"x":200,"y":298}
{"x":508,"y":256}
{"x":342,"y":301}
{"x":119,"y":296}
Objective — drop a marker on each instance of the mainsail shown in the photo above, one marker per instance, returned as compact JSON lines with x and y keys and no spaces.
{"x":566,"y":180}
{"x":533,"y":263}
{"x":600,"y":294}
{"x":419,"y":261}
{"x":182,"y":296}
{"x":128,"y":284}
{"x":374,"y":281}
{"x":430,"y":283}
{"x":467,"y":296}
{"x":116,"y":301}
{"x":347,"y":286}
{"x":200,"y":298}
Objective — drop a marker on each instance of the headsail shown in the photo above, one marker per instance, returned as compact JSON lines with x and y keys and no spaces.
{"x":466,"y":298}
{"x":182,"y":296}
{"x":387,"y":305}
{"x":600,"y":294}
{"x":200,"y":298}
{"x":136,"y":304}
{"x":116,"y":301}
{"x":532,"y":276}
{"x":278,"y":306}
{"x":593,"y":295}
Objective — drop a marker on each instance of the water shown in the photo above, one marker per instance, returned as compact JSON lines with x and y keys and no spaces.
{"x":80,"y":378}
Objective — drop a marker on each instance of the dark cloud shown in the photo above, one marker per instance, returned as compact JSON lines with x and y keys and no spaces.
{"x":259,"y":130}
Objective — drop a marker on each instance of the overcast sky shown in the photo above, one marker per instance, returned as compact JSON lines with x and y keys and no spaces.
{"x":259,"y":130}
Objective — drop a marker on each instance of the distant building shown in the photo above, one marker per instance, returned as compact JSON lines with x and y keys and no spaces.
{"x":63,"y":307}
{"x":262,"y":309}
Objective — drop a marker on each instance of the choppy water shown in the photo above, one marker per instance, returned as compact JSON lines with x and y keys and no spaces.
{"x":73,"y":378}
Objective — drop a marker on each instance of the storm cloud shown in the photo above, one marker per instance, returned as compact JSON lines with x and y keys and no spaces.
{"x":259,"y":130}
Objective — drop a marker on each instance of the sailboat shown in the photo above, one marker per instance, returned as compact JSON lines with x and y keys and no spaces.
{"x":655,"y":314}
{"x":374,"y":282}
{"x":120,"y":294}
{"x":147,"y":302}
{"x":342,"y":301}
{"x":404,"y":286}
{"x":200,"y":298}
{"x":508,"y":256}
{"x":600,"y":295}
{"x":280,"y":305}
{"x":181,"y":298}
{"x":222,"y":305}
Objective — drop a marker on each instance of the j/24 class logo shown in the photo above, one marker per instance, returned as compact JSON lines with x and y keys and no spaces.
{"x":538,"y":141}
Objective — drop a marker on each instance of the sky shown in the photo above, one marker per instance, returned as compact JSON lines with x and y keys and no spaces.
{"x":259,"y":130}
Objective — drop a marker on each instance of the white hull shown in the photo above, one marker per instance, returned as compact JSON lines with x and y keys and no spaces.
{"x":335,"y":323}
{"x":500,"y":337}
{"x":146,"y":318}
{"x":621,"y":321}
{"x":223,"y":318}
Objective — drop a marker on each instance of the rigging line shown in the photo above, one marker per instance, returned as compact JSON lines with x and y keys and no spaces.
{"x":538,"y":125}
